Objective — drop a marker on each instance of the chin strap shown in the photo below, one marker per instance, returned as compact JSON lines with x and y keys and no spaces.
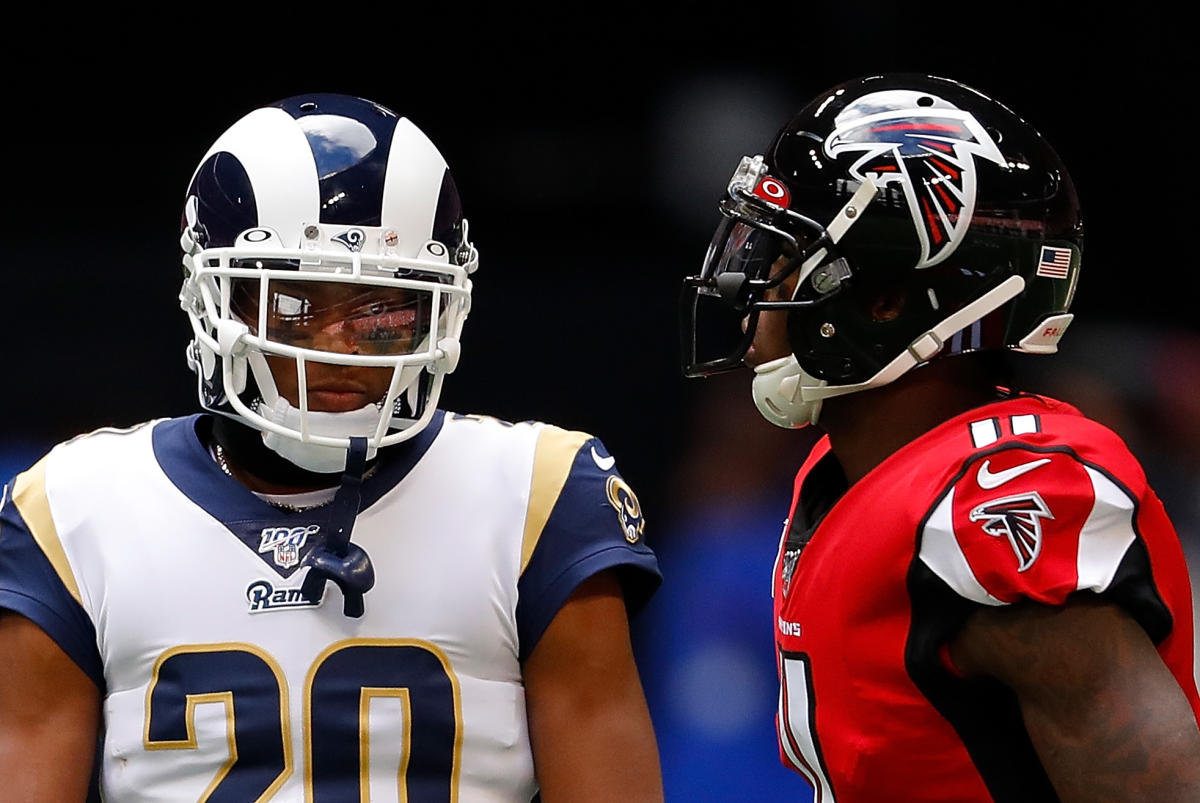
{"x":337,"y":559}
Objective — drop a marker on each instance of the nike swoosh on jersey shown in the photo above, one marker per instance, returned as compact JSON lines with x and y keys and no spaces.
{"x":603,"y":463}
{"x":988,"y":479}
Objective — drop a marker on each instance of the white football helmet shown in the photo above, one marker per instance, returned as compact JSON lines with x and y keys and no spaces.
{"x":324,"y":229}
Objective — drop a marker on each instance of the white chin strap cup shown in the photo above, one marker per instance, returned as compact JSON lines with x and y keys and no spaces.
{"x":778,"y":394}
{"x":314,"y":456}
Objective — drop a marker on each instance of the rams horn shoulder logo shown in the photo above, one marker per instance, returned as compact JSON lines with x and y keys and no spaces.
{"x":1017,"y":518}
{"x":629,"y":511}
{"x":930,"y":153}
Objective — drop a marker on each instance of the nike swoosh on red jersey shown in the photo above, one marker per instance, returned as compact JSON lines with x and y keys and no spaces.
{"x":988,"y":479}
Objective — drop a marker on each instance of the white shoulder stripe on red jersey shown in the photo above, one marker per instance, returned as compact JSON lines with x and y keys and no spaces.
{"x":941,"y":552}
{"x":1106,"y":535}
{"x":1104,"y":538}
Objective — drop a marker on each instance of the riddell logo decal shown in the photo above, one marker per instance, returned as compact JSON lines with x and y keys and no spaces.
{"x":1017,"y":518}
{"x":930,"y":152}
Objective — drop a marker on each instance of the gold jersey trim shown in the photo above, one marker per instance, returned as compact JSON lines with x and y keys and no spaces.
{"x":552,"y":461}
{"x":29,"y":495}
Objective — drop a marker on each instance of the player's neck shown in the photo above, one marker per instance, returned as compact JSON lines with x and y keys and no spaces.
{"x":244,"y":456}
{"x":865,"y":428}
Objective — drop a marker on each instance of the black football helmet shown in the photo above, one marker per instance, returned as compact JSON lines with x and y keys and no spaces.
{"x":913,"y":187}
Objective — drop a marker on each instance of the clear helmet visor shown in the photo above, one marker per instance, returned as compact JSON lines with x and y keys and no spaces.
{"x":326,"y":343}
{"x":336,"y":346}
{"x":317,"y":345}
{"x":333,"y":317}
{"x":744,"y":249}
{"x":749,"y":268}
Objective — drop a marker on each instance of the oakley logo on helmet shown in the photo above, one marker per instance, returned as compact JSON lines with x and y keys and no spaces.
{"x":930,"y":153}
{"x":351,"y":238}
{"x":1017,"y":518}
{"x":773,"y":191}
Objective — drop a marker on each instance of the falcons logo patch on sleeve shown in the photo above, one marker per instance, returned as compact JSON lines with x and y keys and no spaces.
{"x":1018,"y":519}
{"x":1022,"y":521}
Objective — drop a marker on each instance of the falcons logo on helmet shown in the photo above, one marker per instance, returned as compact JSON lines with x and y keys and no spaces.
{"x":930,"y":153}
{"x":1017,"y":518}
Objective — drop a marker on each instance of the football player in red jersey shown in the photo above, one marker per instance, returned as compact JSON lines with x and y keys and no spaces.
{"x":977,"y":594}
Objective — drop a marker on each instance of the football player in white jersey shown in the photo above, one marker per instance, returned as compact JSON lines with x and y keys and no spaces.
{"x":323,"y":587}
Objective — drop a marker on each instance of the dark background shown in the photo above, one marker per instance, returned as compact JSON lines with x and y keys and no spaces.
{"x":590,"y":149}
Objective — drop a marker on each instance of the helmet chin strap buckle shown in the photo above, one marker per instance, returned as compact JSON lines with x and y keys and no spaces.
{"x":925,"y":347}
{"x":346,"y":564}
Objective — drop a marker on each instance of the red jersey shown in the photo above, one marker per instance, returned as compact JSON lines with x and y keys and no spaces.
{"x":1023,"y":499}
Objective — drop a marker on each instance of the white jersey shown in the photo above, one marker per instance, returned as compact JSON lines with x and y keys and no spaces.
{"x":178,"y":591}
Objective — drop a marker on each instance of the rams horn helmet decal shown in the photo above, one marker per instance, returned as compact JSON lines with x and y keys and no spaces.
{"x":930,"y":154}
{"x":1019,"y":519}
{"x":353,"y":239}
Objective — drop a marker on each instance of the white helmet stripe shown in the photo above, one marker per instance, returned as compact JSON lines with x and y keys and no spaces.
{"x":273,"y":150}
{"x":412,"y":187}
